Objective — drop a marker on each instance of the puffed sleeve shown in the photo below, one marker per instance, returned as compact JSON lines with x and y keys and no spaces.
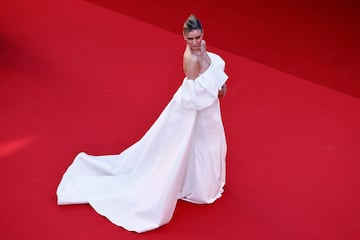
{"x":203,"y":91}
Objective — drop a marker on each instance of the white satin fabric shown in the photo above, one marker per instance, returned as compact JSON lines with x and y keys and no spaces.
{"x":182,"y":156}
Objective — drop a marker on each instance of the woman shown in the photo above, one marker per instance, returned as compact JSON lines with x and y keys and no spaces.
{"x":182,"y":155}
{"x":196,"y":59}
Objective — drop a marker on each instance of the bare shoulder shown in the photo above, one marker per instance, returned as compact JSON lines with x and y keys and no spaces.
{"x":191,"y":65}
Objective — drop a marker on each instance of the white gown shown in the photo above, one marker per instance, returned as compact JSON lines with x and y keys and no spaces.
{"x":182,"y":156}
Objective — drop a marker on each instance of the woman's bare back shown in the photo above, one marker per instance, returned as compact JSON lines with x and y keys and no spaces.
{"x":196,"y":62}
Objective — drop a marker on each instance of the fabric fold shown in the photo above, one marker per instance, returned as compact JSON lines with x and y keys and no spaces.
{"x":203,"y":91}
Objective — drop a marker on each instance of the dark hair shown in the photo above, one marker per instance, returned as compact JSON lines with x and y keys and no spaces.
{"x":192,"y":23}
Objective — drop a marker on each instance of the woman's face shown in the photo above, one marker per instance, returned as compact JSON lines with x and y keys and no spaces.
{"x":194,"y":38}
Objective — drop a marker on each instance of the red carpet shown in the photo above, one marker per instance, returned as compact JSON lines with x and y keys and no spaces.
{"x":75,"y":76}
{"x":315,"y":40}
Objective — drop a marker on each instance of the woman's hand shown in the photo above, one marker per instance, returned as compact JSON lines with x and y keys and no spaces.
{"x":223,"y":91}
{"x":203,"y":46}
{"x":200,"y":49}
